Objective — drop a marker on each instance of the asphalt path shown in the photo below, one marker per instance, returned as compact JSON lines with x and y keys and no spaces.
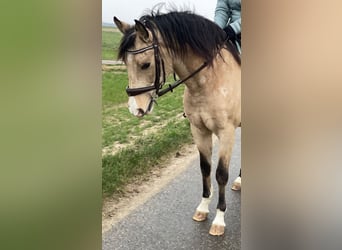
{"x":165,"y":220}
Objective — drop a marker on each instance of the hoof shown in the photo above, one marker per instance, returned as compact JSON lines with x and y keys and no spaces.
{"x":200,"y":216}
{"x":237,"y":184}
{"x":216,"y":230}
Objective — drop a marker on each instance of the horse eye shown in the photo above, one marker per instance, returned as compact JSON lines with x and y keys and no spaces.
{"x":145,"y":66}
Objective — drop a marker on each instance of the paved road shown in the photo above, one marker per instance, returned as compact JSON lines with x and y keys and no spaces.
{"x":165,"y":221}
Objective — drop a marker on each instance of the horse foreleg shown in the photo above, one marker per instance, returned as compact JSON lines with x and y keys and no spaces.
{"x":202,"y":210}
{"x":203,"y":141}
{"x":226,"y":139}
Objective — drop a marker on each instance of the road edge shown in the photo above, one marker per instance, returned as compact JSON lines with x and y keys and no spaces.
{"x":116,"y":209}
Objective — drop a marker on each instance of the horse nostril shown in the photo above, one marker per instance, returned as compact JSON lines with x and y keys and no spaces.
{"x":140,"y":113}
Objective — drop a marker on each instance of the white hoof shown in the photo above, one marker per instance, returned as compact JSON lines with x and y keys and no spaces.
{"x":217,"y":228}
{"x":202,"y":210}
{"x":237,"y":184}
{"x":200,"y":216}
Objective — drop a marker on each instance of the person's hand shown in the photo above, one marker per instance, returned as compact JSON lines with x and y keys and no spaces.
{"x":230,"y":33}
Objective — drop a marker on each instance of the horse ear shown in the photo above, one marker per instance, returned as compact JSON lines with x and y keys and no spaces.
{"x":141,"y":30}
{"x":122,"y":26}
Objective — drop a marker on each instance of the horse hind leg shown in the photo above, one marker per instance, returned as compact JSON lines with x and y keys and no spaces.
{"x":226,"y":140}
{"x":203,"y":141}
{"x":237,"y":183}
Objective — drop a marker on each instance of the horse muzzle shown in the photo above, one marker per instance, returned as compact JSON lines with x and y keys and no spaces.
{"x":140,"y":106}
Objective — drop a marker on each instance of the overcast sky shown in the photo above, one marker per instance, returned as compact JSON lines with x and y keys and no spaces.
{"x":128,"y":10}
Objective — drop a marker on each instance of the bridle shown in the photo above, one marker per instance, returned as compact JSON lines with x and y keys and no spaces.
{"x":158,"y":61}
{"x":159,"y":69}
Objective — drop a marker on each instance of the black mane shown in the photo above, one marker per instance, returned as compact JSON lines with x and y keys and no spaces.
{"x":180,"y":30}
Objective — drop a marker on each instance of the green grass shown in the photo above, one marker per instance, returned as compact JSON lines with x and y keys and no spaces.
{"x":120,"y":126}
{"x":118,"y":169}
{"x":110,"y":41}
{"x":113,"y":88}
{"x":170,"y":131}
{"x":167,"y":129}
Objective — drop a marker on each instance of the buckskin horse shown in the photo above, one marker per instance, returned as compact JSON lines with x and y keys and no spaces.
{"x":197,"y":50}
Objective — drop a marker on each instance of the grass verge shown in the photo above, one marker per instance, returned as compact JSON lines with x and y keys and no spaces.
{"x":148,"y":151}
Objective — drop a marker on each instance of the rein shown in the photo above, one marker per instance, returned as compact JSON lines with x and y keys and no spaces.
{"x":177,"y":83}
{"x":159,"y":68}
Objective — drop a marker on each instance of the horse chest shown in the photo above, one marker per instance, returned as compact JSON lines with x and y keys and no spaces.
{"x":201,"y":114}
{"x":206,"y":120}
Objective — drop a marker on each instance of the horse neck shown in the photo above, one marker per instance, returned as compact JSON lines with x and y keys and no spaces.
{"x":224,"y":68}
{"x":185,"y":67}
{"x":182,"y":67}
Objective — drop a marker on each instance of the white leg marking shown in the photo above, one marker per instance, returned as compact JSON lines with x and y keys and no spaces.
{"x":219,"y":218}
{"x":204,"y":205}
{"x":132,"y":105}
{"x":238,"y":180}
{"x":237,"y":184}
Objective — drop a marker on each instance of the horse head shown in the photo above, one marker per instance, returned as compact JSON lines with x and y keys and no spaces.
{"x":141,"y":52}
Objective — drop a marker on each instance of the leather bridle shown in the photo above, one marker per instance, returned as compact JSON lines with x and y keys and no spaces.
{"x":160,"y":70}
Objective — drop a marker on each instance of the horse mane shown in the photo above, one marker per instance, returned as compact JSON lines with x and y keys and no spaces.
{"x":181,"y":30}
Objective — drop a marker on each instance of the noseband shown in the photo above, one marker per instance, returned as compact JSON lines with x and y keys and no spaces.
{"x":160,"y":69}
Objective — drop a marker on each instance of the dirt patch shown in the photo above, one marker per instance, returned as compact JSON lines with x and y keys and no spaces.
{"x":118,"y":206}
{"x":116,"y":146}
{"x":154,"y":129}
